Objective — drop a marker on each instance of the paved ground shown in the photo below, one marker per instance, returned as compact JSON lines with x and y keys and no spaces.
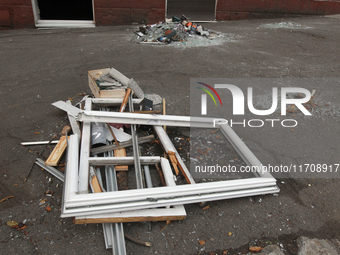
{"x":39,"y":67}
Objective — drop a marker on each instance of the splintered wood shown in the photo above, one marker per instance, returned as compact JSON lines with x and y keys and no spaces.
{"x":57,"y":153}
{"x":95,"y":184}
{"x":121,"y":153}
{"x":174,"y":162}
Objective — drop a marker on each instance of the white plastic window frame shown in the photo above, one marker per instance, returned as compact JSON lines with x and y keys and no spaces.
{"x":76,"y":204}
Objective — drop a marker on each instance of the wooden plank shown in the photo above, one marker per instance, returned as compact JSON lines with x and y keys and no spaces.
{"x":112,"y":93}
{"x":95,"y":184}
{"x":57,"y":153}
{"x":121,"y":153}
{"x":173,"y":160}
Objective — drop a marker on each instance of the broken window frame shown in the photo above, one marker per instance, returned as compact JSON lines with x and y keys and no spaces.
{"x":159,"y":214}
{"x":76,"y":204}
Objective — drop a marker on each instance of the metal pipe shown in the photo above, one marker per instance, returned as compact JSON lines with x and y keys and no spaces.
{"x":114,"y":237}
{"x":38,"y":143}
{"x":55,"y":172}
{"x":137,"y":163}
{"x":147,"y":177}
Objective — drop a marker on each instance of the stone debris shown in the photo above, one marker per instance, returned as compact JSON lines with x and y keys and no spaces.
{"x":316,"y":247}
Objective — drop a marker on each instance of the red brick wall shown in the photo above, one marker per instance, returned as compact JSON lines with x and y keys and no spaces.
{"x":246,"y":9}
{"x":119,"y":12}
{"x":19,"y":13}
{"x":16,"y":14}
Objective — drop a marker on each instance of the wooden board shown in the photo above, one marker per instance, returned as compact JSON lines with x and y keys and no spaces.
{"x":121,"y":153}
{"x":95,"y":184}
{"x":57,"y":153}
{"x":114,"y":93}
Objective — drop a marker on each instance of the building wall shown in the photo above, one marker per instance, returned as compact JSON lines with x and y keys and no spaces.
{"x":119,"y":12}
{"x":19,"y":13}
{"x":16,"y":14}
{"x":246,"y":9}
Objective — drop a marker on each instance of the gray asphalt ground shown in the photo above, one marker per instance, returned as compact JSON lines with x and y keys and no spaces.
{"x":39,"y":67}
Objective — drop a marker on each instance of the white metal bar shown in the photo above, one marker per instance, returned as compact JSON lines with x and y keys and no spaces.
{"x":247,"y":155}
{"x":135,"y":118}
{"x":113,"y":101}
{"x":167,"y":172}
{"x":145,"y":119}
{"x":147,"y":177}
{"x":136,"y":158}
{"x":177,"y":210}
{"x":85,"y":151}
{"x":165,"y":192}
{"x":174,"y":201}
{"x":122,"y":160}
{"x":116,"y":231}
{"x":38,"y":143}
{"x":70,"y":186}
{"x":55,"y":172}
{"x":163,"y":196}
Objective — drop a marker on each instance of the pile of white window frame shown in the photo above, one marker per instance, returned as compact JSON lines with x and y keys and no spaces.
{"x":157,"y":203}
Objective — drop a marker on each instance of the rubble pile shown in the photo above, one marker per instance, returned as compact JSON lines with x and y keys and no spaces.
{"x":176,"y":31}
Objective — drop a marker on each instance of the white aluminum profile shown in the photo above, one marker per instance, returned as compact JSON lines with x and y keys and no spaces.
{"x":70,"y":186}
{"x":38,"y":143}
{"x":89,"y":204}
{"x":50,"y":169}
{"x":246,"y":154}
{"x":114,"y":101}
{"x":84,"y":151}
{"x":134,"y":118}
{"x":114,"y":161}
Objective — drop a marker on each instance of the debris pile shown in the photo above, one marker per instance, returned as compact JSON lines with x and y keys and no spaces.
{"x":109,"y":180}
{"x":175,"y":31}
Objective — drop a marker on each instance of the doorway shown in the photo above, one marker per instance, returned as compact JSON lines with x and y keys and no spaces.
{"x":194,"y":10}
{"x":63,"y":13}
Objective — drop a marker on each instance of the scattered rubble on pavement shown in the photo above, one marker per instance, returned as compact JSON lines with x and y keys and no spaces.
{"x":285,"y":24}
